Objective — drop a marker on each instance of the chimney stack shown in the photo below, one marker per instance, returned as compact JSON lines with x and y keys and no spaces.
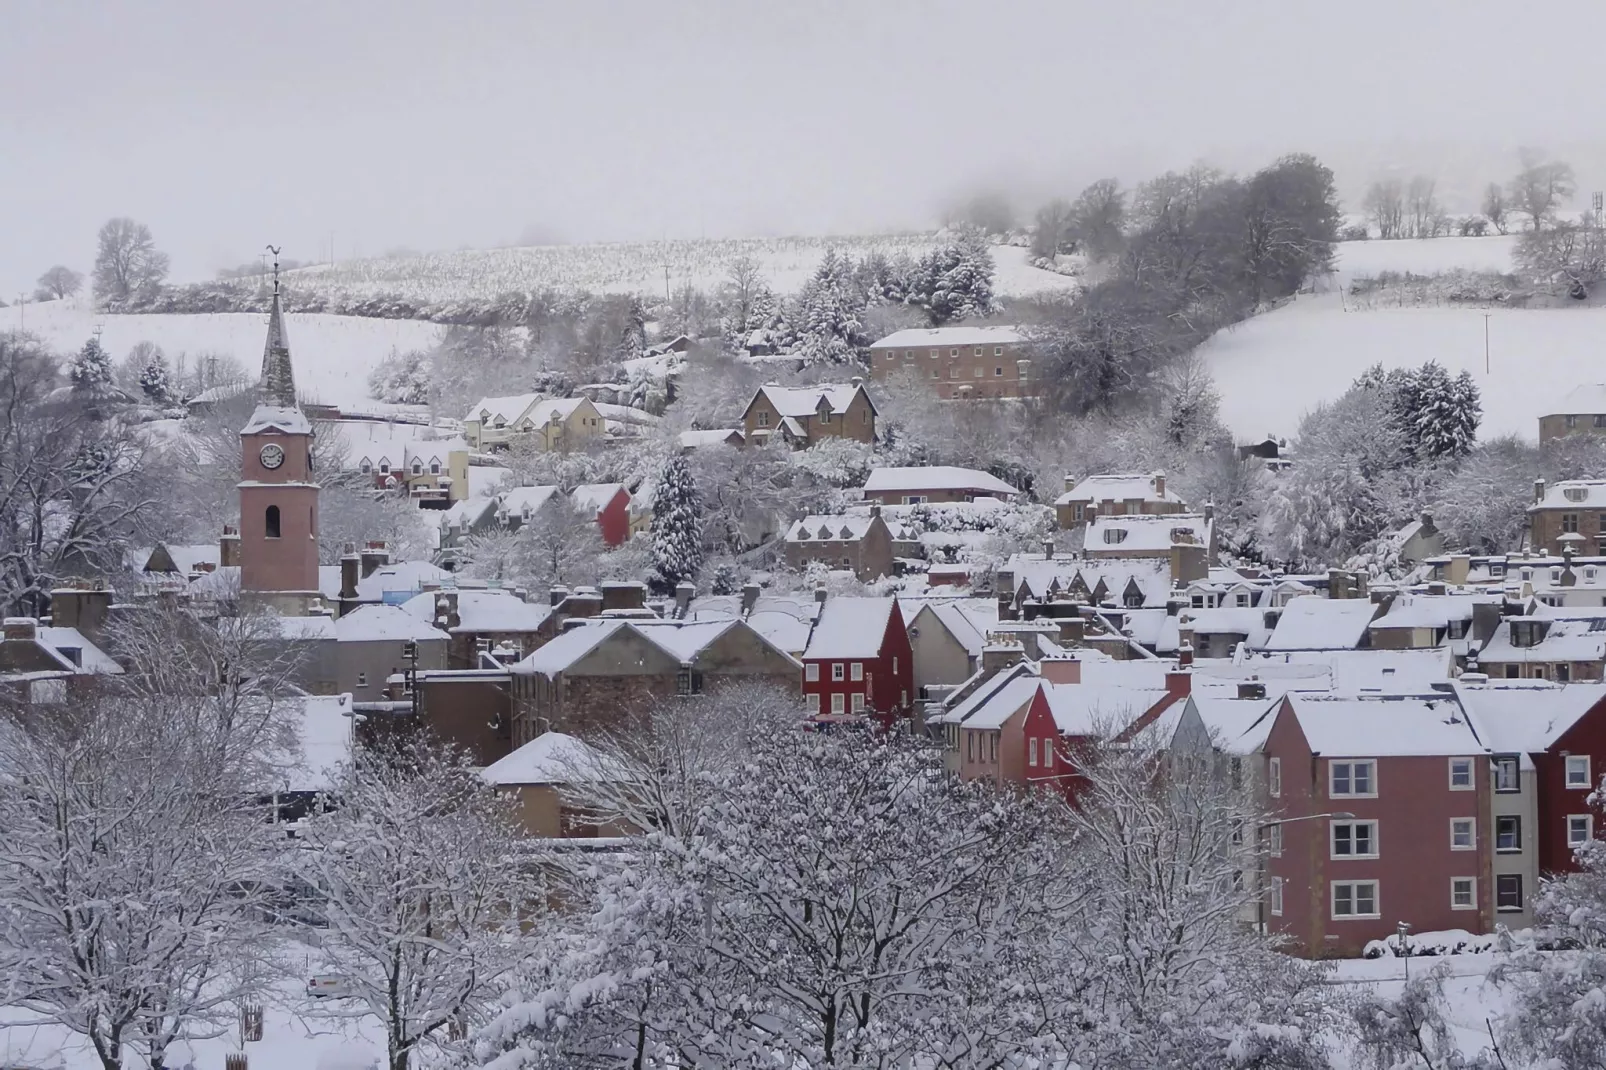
{"x":1179,"y":682}
{"x":820,"y":595}
{"x":685,"y":591}
{"x":19,"y":628}
{"x":1185,"y":655}
{"x":1539,"y":491}
{"x":350,"y":573}
{"x":228,"y":547}
{"x":1159,"y":484}
{"x":1061,"y":669}
{"x":556,"y":595}
{"x":1251,"y":689}
{"x":750,"y":593}
{"x":374,"y":556}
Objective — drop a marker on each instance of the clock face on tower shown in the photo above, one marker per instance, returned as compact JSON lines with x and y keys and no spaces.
{"x":272,"y":455}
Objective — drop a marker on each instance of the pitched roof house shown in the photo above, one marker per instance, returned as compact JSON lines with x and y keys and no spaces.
{"x":859,"y":661}
{"x":857,"y":542}
{"x":802,"y":416}
{"x":934,"y":483}
{"x":1115,"y":495}
{"x":547,"y":422}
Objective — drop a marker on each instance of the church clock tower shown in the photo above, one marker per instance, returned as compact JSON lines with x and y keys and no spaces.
{"x":278,"y":497}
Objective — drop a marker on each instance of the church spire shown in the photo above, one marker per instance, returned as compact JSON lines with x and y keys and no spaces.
{"x":278,"y":386}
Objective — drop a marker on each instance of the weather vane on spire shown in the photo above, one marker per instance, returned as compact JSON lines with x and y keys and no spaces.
{"x":274,"y":249}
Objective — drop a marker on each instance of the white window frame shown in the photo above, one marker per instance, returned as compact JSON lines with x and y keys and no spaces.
{"x":1350,"y":765}
{"x":1471,"y":824}
{"x":1588,"y":822}
{"x":1274,"y":777}
{"x":811,"y":672}
{"x":838,"y":703}
{"x":1354,"y":915}
{"x":856,"y":671}
{"x":1351,"y":824}
{"x":1277,"y":897}
{"x":1471,"y":885}
{"x":1578,"y":763}
{"x":857,"y":705}
{"x":811,"y":703}
{"x":1463,"y":766}
{"x":839,"y":671}
{"x":1503,"y":762}
{"x":1274,"y":839}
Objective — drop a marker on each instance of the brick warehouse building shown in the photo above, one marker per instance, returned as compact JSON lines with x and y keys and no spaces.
{"x":959,"y":362}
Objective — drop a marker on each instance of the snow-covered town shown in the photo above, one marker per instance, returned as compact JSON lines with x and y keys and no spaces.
{"x":1135,"y":608}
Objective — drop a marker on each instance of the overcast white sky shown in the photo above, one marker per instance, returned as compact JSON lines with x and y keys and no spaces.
{"x":229,"y":125}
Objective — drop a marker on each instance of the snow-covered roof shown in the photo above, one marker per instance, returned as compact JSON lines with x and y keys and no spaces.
{"x":1526,"y":716}
{"x":847,"y":526}
{"x":1146,"y":533}
{"x":323,"y":735}
{"x":569,"y":647}
{"x":550,"y":758}
{"x":1118,"y":488}
{"x":1037,"y":577}
{"x":401,"y":576}
{"x":91,"y":658}
{"x":1394,"y":671}
{"x":950,"y":336}
{"x":304,"y":629}
{"x":485,"y":481}
{"x":186,"y":557}
{"x":509,"y":408}
{"x":1585,"y":399}
{"x":483,"y":611}
{"x":1229,"y":719}
{"x":801,"y":401}
{"x":985,"y":690}
{"x":936,"y":477}
{"x":468,"y":513}
{"x":1092,"y":709}
{"x":374,"y":623}
{"x":289,"y":420}
{"x":956,"y":618}
{"x":625,"y":414}
{"x":992,"y":709}
{"x":1310,"y":622}
{"x":1430,"y":610}
{"x":850,"y":628}
{"x":222,"y":583}
{"x":1572,"y":493}
{"x":595,"y":496}
{"x":696,"y":438}
{"x":1344,"y":726}
{"x":1248,"y":622}
{"x":525,"y":501}
{"x":1565,"y":640}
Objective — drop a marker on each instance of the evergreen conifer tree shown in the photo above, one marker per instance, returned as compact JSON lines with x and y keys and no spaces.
{"x":677,"y":524}
{"x":90,"y":369}
{"x":154,"y":380}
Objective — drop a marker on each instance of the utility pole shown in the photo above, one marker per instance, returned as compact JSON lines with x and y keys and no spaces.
{"x":1486,"y":343}
{"x":667,"y":298}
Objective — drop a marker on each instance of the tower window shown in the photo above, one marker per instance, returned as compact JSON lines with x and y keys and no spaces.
{"x":272,"y":521}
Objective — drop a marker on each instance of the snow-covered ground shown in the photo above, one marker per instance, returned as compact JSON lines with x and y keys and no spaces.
{"x":633,"y":267}
{"x":1470,"y":999}
{"x":333,"y":354}
{"x":1272,"y":369}
{"x":294,"y":1037}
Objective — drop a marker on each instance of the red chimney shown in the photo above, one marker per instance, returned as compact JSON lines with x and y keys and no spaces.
{"x":1185,"y":655}
{"x":1179,"y":682}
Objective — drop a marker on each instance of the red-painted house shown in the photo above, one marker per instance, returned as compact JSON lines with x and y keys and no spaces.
{"x":1381,"y":799}
{"x":1029,"y":728}
{"x":858,"y":660}
{"x":611,"y":503}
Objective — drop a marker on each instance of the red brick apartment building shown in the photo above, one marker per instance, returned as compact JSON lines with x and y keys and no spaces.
{"x":959,"y":362}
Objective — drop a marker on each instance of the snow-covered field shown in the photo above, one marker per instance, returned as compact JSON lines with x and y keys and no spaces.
{"x":333,"y":354}
{"x":1272,"y":369}
{"x":634,"y":267}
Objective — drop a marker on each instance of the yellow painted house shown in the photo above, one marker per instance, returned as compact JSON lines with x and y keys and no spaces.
{"x":547,"y":423}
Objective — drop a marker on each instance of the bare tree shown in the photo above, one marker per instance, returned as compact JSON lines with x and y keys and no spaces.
{"x":1384,"y":205}
{"x":1098,"y":219}
{"x":1423,"y":214}
{"x":74,"y":488}
{"x":1494,"y":207}
{"x":1052,"y":233}
{"x":428,"y":891}
{"x":1567,"y":258}
{"x":557,"y":544}
{"x":743,"y":284}
{"x":60,"y":282}
{"x":127,"y":261}
{"x":1541,"y":188}
{"x":138,"y":867}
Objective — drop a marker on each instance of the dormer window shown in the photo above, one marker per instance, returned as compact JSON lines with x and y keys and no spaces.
{"x":1575,"y":494}
{"x":384,"y":468}
{"x":1114,"y":535}
{"x":434,"y":468}
{"x":418,"y":468}
{"x":367,"y":466}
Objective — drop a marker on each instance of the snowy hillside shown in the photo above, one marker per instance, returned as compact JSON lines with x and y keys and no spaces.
{"x":1273,"y":368}
{"x":636,"y":267}
{"x":333,"y":354}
